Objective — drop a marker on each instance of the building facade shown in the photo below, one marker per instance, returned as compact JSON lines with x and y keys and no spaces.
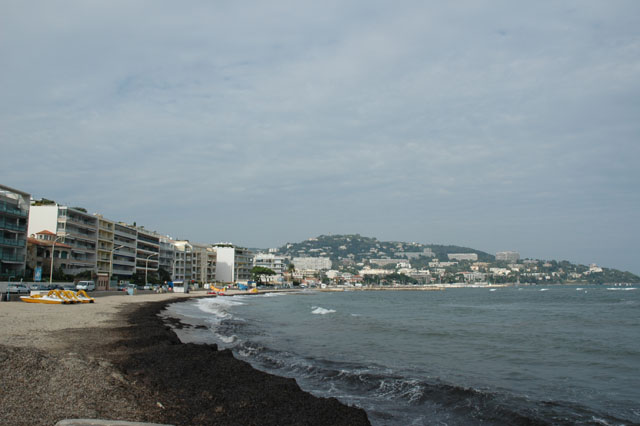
{"x":105,"y":245}
{"x":509,"y":256}
{"x":42,"y":254}
{"x":312,"y":263}
{"x":167,"y":254}
{"x":271,"y":261}
{"x":463,"y":256}
{"x":182,"y":264}
{"x":233,"y":264}
{"x":72,"y":226}
{"x":14,"y":218}
{"x":123,"y":256}
{"x":147,"y":253}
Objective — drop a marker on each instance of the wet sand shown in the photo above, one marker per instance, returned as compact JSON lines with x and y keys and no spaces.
{"x":117,"y":360}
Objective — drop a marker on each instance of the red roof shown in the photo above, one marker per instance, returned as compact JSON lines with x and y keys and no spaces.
{"x":38,"y":242}
{"x":45,"y":232}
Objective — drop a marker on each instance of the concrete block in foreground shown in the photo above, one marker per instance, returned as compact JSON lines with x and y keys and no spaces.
{"x":98,"y":422}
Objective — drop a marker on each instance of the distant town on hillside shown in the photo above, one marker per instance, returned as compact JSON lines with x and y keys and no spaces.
{"x":43,"y":240}
{"x":416,"y":262}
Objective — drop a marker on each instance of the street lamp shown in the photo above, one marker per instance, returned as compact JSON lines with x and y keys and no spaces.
{"x":53,"y":250}
{"x":146,"y":267}
{"x":111,"y":265}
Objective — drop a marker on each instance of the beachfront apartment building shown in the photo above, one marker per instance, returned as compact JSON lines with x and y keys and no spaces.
{"x":123,"y":256}
{"x":182,"y":263}
{"x":14,"y":218}
{"x":203,"y":263}
{"x":43,"y":254}
{"x":105,"y":245}
{"x":233,"y":264}
{"x":147,"y":252}
{"x":73,"y":226}
{"x":167,"y":254}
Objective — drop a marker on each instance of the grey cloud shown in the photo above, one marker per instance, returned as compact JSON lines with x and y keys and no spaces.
{"x":451,"y":122}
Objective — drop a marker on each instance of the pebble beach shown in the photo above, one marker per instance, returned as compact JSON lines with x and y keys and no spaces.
{"x":116,"y":359}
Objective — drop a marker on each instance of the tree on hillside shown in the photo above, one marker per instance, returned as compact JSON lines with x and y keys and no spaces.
{"x":259,"y":274}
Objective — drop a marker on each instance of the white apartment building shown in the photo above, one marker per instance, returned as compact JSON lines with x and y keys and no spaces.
{"x":14,"y":218}
{"x":105,"y":245}
{"x":167,"y":254}
{"x":74,"y":227}
{"x":500,"y":271}
{"x":271,"y":261}
{"x":123,"y":257}
{"x":312,"y":263}
{"x":384,"y":262}
{"x":182,"y":264}
{"x":203,"y":263}
{"x":233,"y":264}
{"x":416,"y":254}
{"x":509,"y":256}
{"x":463,"y":256}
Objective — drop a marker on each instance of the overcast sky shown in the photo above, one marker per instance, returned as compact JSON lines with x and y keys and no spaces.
{"x":498,"y":125}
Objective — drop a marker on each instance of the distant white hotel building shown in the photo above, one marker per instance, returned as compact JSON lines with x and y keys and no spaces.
{"x":312,"y":263}
{"x":509,"y":256}
{"x":271,"y":261}
{"x":463,"y":256}
{"x":416,"y":254}
{"x":384,"y":262}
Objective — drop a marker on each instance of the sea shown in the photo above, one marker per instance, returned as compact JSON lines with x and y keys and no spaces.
{"x":517,"y":355}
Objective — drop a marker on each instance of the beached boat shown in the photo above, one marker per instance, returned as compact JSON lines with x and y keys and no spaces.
{"x":83,"y":297}
{"x":59,"y":297}
{"x":54,"y":297}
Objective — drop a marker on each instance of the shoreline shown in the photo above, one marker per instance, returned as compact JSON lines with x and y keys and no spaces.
{"x":122,"y":361}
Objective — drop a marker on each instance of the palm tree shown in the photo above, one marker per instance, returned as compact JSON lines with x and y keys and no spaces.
{"x":291,"y":268}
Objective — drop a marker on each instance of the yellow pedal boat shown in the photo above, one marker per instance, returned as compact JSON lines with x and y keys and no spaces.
{"x":59,"y":297}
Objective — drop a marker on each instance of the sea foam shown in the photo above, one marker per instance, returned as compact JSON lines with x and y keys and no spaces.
{"x":321,"y":311}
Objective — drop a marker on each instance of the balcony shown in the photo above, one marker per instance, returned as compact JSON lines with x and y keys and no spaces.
{"x":78,"y":233}
{"x":128,"y":262}
{"x":11,"y":258}
{"x":12,"y":242}
{"x":81,"y":221}
{"x":12,"y":210}
{"x":12,"y":226}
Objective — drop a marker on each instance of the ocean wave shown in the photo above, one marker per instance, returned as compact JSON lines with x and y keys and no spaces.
{"x":621,"y":288}
{"x":226,"y":339}
{"x":218,"y":306}
{"x":321,"y":311}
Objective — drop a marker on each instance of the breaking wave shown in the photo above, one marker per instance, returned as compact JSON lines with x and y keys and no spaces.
{"x":321,"y":311}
